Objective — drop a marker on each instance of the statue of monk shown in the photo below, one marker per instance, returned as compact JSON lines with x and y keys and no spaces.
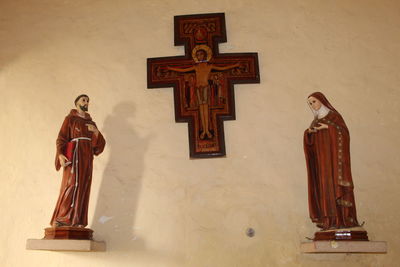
{"x":78,"y":141}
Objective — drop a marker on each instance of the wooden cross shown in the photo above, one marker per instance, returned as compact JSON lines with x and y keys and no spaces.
{"x":203,"y":80}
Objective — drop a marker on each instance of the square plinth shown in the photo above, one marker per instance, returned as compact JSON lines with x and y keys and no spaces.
{"x":344,"y":247}
{"x":65,"y":245}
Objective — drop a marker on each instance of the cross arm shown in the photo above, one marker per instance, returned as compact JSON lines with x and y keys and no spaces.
{"x":241,"y":67}
{"x":158,"y":74}
{"x":180,"y":69}
{"x":226,"y":67}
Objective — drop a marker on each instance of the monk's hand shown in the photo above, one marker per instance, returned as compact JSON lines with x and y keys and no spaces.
{"x":63,"y":160}
{"x":92,"y":128}
{"x":311,"y":130}
{"x":321,"y":126}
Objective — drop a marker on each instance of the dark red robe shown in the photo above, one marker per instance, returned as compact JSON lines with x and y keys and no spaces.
{"x":72,"y":204}
{"x":330,"y":184}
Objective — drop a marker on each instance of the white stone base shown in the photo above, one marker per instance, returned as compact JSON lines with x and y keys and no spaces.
{"x":344,"y":247}
{"x":65,"y":245}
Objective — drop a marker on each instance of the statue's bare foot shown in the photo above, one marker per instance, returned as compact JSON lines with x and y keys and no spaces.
{"x":202,"y":135}
{"x":209,"y":135}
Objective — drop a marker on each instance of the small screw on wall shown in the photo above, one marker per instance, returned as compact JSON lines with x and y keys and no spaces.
{"x":250,"y":232}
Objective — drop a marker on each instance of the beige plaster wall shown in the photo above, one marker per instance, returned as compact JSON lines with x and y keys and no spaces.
{"x":150,"y":203}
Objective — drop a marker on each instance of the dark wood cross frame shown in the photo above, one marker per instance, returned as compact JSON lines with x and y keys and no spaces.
{"x":203,"y":80}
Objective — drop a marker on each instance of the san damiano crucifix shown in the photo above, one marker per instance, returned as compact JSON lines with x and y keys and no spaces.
{"x":203,"y":80}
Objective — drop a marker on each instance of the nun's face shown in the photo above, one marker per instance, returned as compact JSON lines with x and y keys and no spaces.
{"x":314,"y":103}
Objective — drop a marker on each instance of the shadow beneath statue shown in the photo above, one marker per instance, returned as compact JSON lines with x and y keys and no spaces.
{"x":117,"y":202}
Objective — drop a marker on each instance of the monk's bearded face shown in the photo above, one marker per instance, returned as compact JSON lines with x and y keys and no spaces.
{"x":314,"y":103}
{"x":83,"y":103}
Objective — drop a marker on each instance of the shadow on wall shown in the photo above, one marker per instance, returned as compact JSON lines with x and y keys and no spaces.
{"x":116,"y":207}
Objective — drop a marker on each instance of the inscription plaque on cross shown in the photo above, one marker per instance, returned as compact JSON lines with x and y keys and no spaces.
{"x":203,"y":80}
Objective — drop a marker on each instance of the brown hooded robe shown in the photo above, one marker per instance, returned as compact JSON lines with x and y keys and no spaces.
{"x":330,"y":184}
{"x":72,"y":204}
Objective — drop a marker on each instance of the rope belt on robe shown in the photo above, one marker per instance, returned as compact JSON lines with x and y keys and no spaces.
{"x":75,"y":161}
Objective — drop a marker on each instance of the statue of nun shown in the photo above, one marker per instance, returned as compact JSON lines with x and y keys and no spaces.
{"x":330,"y":184}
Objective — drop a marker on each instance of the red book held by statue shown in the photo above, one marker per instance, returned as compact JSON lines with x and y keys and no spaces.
{"x":69,"y":152}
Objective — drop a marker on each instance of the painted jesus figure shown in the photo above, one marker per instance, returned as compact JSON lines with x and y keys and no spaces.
{"x":202,"y":68}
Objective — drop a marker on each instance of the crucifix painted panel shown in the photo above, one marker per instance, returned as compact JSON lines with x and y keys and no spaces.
{"x":203,"y":80}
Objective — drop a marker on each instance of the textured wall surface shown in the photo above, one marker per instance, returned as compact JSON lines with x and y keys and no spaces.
{"x":150,"y":202}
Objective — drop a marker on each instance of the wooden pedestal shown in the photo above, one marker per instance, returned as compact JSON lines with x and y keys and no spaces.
{"x":68,"y":232}
{"x":351,"y":234}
